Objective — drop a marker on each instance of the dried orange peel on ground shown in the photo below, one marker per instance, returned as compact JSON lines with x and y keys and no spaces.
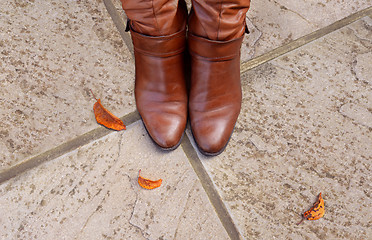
{"x":147,"y":183}
{"x":316,"y":211}
{"x":105,"y":117}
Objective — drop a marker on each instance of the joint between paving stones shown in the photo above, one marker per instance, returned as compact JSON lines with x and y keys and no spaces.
{"x":277,"y":52}
{"x":64,"y":148}
{"x":212,"y":193}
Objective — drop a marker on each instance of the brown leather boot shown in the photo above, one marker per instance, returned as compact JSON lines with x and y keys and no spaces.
{"x":159,"y":39}
{"x":216,"y":32}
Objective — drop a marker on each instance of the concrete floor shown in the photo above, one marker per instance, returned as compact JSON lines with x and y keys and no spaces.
{"x":305,"y":128}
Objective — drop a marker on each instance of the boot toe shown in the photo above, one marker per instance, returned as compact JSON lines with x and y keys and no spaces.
{"x":212,"y":137}
{"x":166,"y":130}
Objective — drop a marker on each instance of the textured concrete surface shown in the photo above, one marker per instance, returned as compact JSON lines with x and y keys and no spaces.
{"x":305,"y":128}
{"x":51,"y":54}
{"x":92,"y":193}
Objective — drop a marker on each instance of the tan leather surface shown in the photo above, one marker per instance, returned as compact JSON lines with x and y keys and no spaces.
{"x":155,"y":17}
{"x":216,"y":30}
{"x":218,"y":20}
{"x":158,"y":30}
{"x":215,"y":94}
{"x":160,"y":87}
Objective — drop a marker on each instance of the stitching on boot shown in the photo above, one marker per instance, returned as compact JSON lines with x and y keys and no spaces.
{"x":164,"y":55}
{"x":216,"y":59}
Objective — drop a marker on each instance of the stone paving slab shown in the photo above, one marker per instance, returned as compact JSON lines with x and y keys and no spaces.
{"x":92,"y":193}
{"x":304,"y":129}
{"x":51,"y":54}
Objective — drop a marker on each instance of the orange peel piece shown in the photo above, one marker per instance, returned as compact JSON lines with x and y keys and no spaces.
{"x":105,"y":117}
{"x":147,"y":183}
{"x":316,"y":211}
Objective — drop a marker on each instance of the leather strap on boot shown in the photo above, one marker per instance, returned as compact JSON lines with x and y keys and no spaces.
{"x":214,"y":50}
{"x":163,"y":46}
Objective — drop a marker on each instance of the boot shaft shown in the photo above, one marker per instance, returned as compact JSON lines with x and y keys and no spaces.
{"x":156,"y":17}
{"x":218,"y":20}
{"x":215,"y":20}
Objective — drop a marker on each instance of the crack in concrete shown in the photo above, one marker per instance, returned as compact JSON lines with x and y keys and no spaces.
{"x":184,"y":209}
{"x":367,"y":24}
{"x":354,"y":63}
{"x":248,"y":49}
{"x":133,"y":189}
{"x":366,"y":43}
{"x":296,"y":13}
{"x":360,"y":37}
{"x":293,"y":71}
{"x":357,"y":116}
{"x":134,"y":207}
{"x":353,"y":70}
{"x":94,"y":212}
{"x":259,"y":34}
{"x":183,"y":177}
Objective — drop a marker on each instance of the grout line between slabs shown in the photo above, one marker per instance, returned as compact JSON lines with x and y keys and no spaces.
{"x":64,"y":148}
{"x":208,"y":186}
{"x":277,"y":52}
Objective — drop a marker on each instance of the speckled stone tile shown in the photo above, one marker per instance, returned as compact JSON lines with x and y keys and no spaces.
{"x":92,"y":193}
{"x":304,"y":129}
{"x":51,"y":54}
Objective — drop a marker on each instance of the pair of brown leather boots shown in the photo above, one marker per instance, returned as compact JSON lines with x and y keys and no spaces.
{"x":164,"y":99}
